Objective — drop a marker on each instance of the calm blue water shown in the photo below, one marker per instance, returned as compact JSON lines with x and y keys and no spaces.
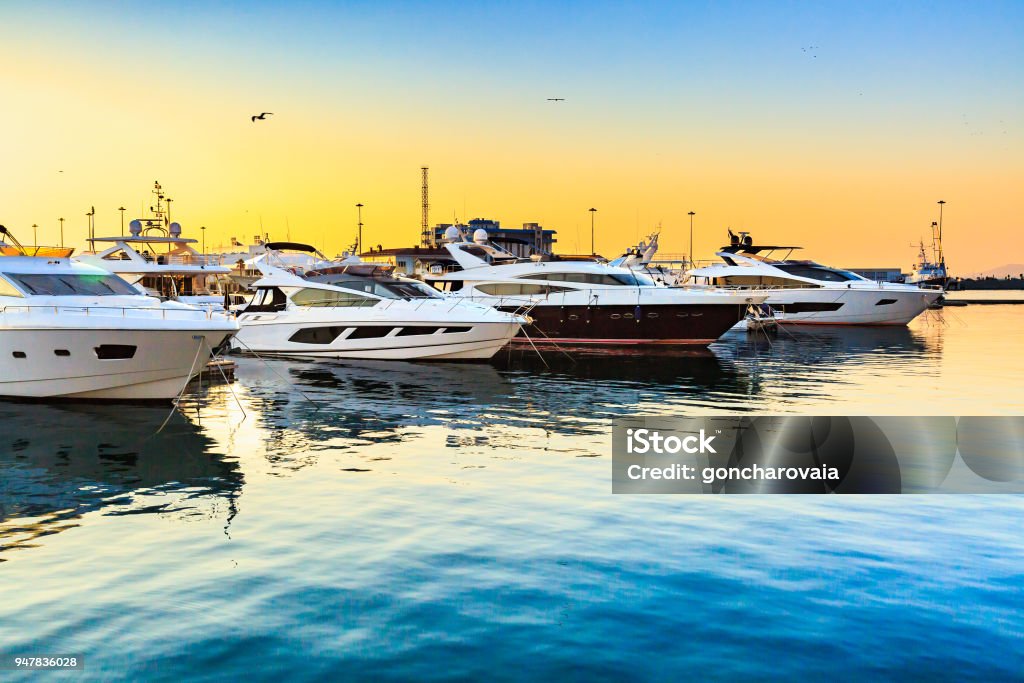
{"x":446,"y":522}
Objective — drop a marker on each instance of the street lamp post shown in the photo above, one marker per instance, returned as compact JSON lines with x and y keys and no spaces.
{"x":359,"y":243}
{"x":121,"y":209}
{"x":690,"y":255}
{"x":592,"y":212}
{"x":938,"y":257}
{"x":61,"y":232}
{"x":35,"y":239}
{"x":203,"y":228}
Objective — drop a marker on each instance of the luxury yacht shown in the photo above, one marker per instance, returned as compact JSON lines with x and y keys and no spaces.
{"x":350,"y":309}
{"x":76,"y":331}
{"x":155,"y":257}
{"x":587,"y":302}
{"x":806,"y":292}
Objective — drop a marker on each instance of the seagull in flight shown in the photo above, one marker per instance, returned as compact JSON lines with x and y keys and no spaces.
{"x":556,"y":99}
{"x":262,"y":116}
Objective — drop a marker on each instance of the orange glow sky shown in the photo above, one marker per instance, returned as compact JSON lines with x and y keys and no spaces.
{"x":833,"y":128}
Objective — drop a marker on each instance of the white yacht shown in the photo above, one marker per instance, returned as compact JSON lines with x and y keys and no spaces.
{"x":588,"y":302}
{"x":155,"y":257}
{"x":806,"y":292}
{"x":71,"y":330}
{"x":350,"y":309}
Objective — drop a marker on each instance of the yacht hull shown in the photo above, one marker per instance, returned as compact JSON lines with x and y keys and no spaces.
{"x":65,"y":363}
{"x":646,"y":324}
{"x":448,"y":341}
{"x":850,"y":306}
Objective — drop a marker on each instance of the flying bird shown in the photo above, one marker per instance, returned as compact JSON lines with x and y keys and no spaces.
{"x":262,"y":116}
{"x":556,"y":99}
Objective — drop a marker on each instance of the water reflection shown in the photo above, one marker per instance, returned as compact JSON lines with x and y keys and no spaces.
{"x":344,"y":405}
{"x":834,"y":344}
{"x":307,"y":407}
{"x":59,"y":462}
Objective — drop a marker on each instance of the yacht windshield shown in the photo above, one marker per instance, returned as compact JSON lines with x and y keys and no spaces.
{"x":635,"y":279}
{"x":72,"y":284}
{"x":814,"y":271}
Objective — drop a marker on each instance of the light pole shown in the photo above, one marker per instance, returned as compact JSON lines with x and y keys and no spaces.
{"x":939,"y":256}
{"x":91,"y":224}
{"x":203,"y":228}
{"x":359,"y":244}
{"x":61,"y":232}
{"x":121,"y":209}
{"x":690,"y":255}
{"x":35,"y":239}
{"x":592,"y":212}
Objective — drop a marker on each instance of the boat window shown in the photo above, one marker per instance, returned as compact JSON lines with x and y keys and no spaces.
{"x":447,"y":285}
{"x":330,"y":297}
{"x":317,"y":335}
{"x":413,"y":331}
{"x":592,"y":278}
{"x":370,"y":332}
{"x":516,"y":288}
{"x":115,"y":351}
{"x":267,"y":299}
{"x":397,"y":289}
{"x":635,"y":279}
{"x":816,"y":272}
{"x":72,"y":284}
{"x":760,"y":281}
{"x":7,"y":289}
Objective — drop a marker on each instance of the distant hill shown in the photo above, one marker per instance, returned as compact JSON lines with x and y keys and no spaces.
{"x":1011,"y":269}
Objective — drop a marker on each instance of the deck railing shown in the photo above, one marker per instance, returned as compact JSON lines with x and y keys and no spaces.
{"x":124,"y":311}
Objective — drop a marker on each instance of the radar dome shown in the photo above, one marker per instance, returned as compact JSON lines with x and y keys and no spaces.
{"x":480,"y":236}
{"x":135,"y":227}
{"x":175,"y":230}
{"x":451,"y":234}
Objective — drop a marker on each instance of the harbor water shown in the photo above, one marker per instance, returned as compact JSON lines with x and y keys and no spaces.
{"x":352,"y":520}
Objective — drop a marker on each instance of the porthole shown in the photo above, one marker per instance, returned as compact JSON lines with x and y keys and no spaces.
{"x":115,"y":351}
{"x":61,"y":352}
{"x":616,"y":316}
{"x":19,"y":354}
{"x":652,"y":314}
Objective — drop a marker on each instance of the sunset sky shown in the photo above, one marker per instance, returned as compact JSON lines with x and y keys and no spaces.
{"x":832,"y":125}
